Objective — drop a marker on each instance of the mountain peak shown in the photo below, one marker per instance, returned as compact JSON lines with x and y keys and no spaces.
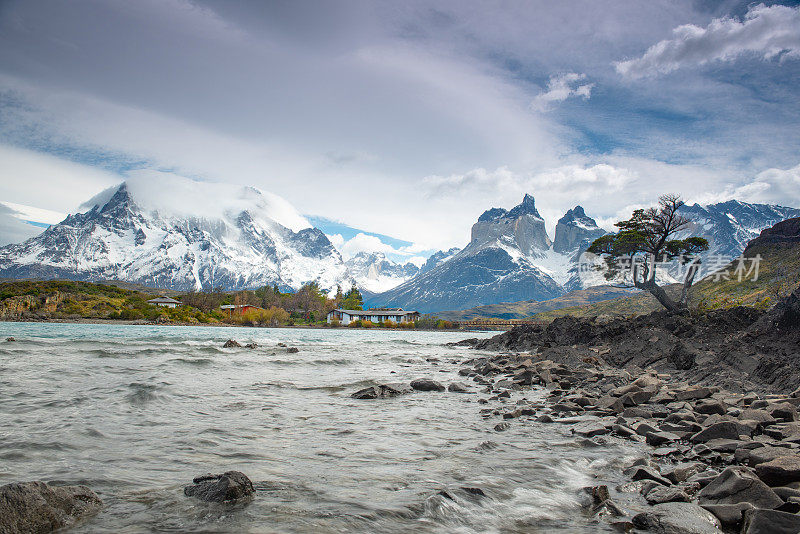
{"x":526,"y":207}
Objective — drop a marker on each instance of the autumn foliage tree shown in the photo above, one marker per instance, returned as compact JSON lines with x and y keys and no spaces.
{"x":646,"y":239}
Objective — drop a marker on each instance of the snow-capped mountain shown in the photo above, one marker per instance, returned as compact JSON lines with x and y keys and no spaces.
{"x":510,"y":257}
{"x":437,"y":258}
{"x":172,"y":232}
{"x":729,"y":226}
{"x":376,"y":273}
{"x":496,"y":266}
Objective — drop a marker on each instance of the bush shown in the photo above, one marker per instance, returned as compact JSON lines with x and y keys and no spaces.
{"x":336,"y":322}
{"x":389,"y":324}
{"x":408,"y":325}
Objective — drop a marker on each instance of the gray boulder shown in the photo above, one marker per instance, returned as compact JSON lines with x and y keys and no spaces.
{"x":381,"y":391}
{"x":38,"y":507}
{"x":677,"y":518}
{"x":723,"y":429}
{"x":231,"y":343}
{"x":730,"y":515}
{"x":780,"y":471}
{"x":458,"y":387}
{"x":426,"y":384}
{"x":227,"y":487}
{"x":770,"y":522}
{"x":738,"y":484}
{"x":662,"y":494}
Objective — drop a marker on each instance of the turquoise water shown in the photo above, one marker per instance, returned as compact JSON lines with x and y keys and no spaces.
{"x":135,"y":412}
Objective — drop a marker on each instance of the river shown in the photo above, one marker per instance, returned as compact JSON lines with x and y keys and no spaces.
{"x":134,"y":412}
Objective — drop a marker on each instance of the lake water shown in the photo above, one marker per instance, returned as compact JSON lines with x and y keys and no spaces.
{"x":134,"y":412}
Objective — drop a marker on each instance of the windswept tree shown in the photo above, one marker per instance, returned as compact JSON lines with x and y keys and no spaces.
{"x":647,"y":239}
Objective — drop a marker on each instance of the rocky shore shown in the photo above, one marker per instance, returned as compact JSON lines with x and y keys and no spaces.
{"x":708,"y":397}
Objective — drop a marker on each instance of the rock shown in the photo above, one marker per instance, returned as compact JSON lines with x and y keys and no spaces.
{"x":723,"y":429}
{"x":227,"y":487}
{"x":780,"y":471}
{"x":711,"y":406}
{"x":738,"y":484}
{"x":677,"y":518}
{"x":292,"y":350}
{"x":657,"y":439}
{"x":281,"y":345}
{"x":662,"y":494}
{"x":590,"y":429}
{"x":770,"y":522}
{"x":647,"y":473}
{"x":730,"y":515}
{"x":231,"y":343}
{"x":682,"y":472}
{"x":693,"y":394}
{"x":38,"y":507}
{"x":761,"y":416}
{"x":251,"y":345}
{"x":10,"y":339}
{"x":381,"y":391}
{"x":767,"y":454}
{"x":783,"y":412}
{"x":426,"y":384}
{"x":458,"y":387}
{"x":501,"y":427}
{"x":681,"y":357}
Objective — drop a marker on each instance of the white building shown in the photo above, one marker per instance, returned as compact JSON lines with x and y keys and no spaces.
{"x":165,"y":302}
{"x":374,"y":315}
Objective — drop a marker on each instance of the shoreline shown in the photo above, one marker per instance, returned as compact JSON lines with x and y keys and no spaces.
{"x":697,"y":441}
{"x":139,"y":322}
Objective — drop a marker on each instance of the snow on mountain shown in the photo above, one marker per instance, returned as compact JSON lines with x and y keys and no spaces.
{"x":496,"y":266}
{"x":375,"y":273}
{"x":173,"y":232}
{"x":437,"y":258}
{"x":510,"y":257}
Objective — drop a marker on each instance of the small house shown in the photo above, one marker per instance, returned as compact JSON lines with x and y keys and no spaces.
{"x":164,"y":302}
{"x":374,"y":315}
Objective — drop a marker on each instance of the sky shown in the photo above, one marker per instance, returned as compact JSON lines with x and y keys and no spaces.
{"x":402,"y":119}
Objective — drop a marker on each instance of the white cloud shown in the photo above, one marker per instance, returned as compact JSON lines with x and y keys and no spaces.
{"x":765,"y":32}
{"x":774,"y":186}
{"x":560,"y":87}
{"x":13,"y":229}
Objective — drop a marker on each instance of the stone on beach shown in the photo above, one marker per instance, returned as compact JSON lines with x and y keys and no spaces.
{"x":227,"y":487}
{"x":39,"y":507}
{"x":231,"y":343}
{"x":677,"y":518}
{"x":780,"y":471}
{"x":426,"y":384}
{"x":738,"y":484}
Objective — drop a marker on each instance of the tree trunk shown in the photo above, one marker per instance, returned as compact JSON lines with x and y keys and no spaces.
{"x":657,"y":291}
{"x":687,"y":283}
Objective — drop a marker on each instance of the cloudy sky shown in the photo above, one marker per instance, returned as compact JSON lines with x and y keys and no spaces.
{"x":406,"y":119}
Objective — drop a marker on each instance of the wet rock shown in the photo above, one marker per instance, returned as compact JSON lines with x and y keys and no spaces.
{"x":770,"y":522}
{"x":738,"y":484}
{"x":474,"y":491}
{"x":227,"y":487}
{"x":251,"y":345}
{"x":730,"y":515}
{"x":281,"y":345}
{"x":426,"y":384}
{"x":780,"y":471}
{"x":677,"y":518}
{"x":231,"y":343}
{"x":292,"y":350}
{"x":646,"y":473}
{"x":657,"y":439}
{"x":682,"y":472}
{"x":501,"y":427}
{"x":38,"y":507}
{"x":10,"y":338}
{"x":662,"y":494}
{"x":381,"y":391}
{"x":458,"y":387}
{"x":590,"y":429}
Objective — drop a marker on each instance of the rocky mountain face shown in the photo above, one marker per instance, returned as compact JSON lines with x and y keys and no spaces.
{"x":730,"y":225}
{"x":375,"y":273}
{"x":185,"y":235}
{"x":575,"y":230}
{"x":496,"y":266}
{"x":437,"y":258}
{"x":510,"y":257}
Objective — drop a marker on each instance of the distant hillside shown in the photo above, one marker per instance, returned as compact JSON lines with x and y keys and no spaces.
{"x":524,"y":309}
{"x":778,"y":276}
